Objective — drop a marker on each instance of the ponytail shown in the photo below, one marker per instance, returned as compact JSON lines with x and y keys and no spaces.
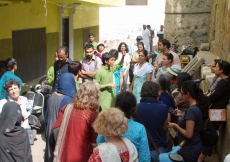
{"x":202,"y":101}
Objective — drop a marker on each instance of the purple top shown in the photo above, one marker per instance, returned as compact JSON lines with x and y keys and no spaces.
{"x":99,"y":55}
{"x":214,"y":83}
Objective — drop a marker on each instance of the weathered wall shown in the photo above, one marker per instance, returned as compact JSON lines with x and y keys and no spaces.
{"x":219,"y":33}
{"x":188,"y":19}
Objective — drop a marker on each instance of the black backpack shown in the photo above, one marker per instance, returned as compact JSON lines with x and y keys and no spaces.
{"x":209,"y":136}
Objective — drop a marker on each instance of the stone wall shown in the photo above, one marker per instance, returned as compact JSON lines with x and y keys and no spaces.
{"x":219,"y":33}
{"x":189,"y":20}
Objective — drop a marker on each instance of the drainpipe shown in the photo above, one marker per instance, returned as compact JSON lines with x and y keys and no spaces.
{"x":61,"y":9}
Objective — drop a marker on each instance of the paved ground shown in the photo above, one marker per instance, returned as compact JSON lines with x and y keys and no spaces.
{"x":38,"y":148}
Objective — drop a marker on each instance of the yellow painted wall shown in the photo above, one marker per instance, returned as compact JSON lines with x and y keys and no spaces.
{"x":32,"y":15}
{"x":105,"y":2}
{"x":86,"y":16}
{"x":27,"y":16}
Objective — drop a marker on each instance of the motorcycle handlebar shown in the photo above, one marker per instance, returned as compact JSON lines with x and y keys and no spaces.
{"x":38,"y":87}
{"x":29,"y":86}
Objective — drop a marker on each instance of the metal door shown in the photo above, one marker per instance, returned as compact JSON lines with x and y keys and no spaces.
{"x":29,"y":49}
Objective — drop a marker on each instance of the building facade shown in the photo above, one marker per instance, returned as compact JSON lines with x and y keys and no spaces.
{"x":31,"y":31}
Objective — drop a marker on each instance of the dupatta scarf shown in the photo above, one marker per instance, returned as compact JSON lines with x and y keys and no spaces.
{"x":146,"y":68}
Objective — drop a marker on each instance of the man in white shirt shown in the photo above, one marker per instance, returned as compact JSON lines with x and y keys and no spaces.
{"x":146,"y":35}
{"x":164,"y":46}
{"x":12,"y":87}
{"x":160,"y":33}
{"x":133,"y":48}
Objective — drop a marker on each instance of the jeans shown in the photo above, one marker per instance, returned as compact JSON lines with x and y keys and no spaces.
{"x":155,"y":155}
{"x":191,"y":155}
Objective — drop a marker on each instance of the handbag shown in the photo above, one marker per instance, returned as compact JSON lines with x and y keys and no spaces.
{"x":216,"y":115}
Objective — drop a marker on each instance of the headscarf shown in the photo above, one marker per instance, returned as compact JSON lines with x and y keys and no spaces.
{"x":14,"y":140}
{"x":67,"y":87}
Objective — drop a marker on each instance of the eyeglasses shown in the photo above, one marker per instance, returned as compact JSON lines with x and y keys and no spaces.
{"x":211,"y":66}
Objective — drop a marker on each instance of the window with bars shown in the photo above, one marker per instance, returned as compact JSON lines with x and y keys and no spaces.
{"x":136,"y":2}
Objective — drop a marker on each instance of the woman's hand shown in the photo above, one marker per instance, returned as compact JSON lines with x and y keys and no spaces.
{"x":119,"y":92}
{"x":178,"y":113}
{"x":94,"y":145}
{"x":123,"y":52}
{"x":23,"y":119}
{"x":113,"y":85}
{"x":172,"y":125}
{"x":131,"y":89}
{"x":175,"y":91}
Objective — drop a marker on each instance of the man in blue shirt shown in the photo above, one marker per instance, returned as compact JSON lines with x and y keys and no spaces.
{"x":11,"y":67}
{"x":61,"y":65}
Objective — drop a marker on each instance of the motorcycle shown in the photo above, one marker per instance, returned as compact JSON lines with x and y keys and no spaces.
{"x":37,"y":98}
{"x":172,"y":155}
{"x":187,"y":54}
{"x":174,"y":46}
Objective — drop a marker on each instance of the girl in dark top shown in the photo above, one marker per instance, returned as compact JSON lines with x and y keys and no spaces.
{"x":179,"y":102}
{"x":165,"y":97}
{"x":219,"y":98}
{"x":190,"y":125}
{"x":154,"y":116}
{"x":14,"y":141}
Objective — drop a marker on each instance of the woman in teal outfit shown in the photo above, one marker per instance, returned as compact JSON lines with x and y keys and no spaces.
{"x":142,"y":72}
{"x":118,"y":75}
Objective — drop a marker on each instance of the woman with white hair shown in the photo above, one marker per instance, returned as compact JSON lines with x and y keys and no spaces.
{"x":112,"y":123}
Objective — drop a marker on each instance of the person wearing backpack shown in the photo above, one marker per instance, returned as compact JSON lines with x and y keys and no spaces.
{"x":190,"y":126}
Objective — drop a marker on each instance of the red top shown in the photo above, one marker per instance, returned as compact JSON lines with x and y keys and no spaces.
{"x":79,"y":135}
{"x":124,"y":155}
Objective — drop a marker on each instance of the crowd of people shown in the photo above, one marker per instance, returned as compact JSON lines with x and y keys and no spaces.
{"x":95,"y":115}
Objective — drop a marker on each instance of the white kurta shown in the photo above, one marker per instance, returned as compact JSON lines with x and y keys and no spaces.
{"x":145,"y":35}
